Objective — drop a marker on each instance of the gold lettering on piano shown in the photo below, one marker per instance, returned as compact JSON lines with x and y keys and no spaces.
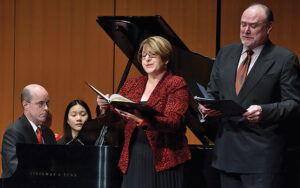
{"x":53,"y":174}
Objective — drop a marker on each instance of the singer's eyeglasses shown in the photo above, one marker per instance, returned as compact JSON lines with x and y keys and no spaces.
{"x":150,"y":55}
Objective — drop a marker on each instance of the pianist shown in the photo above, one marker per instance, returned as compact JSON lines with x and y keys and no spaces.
{"x":27,"y":129}
{"x":155,"y":147}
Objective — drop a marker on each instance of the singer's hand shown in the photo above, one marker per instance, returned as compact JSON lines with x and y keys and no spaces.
{"x":135,"y":115}
{"x":208,"y":111}
{"x":103,"y":104}
{"x":253,"y":114}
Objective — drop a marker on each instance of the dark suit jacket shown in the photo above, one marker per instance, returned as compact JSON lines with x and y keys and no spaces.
{"x":20,"y":132}
{"x":273,"y":83}
{"x":166,"y":135}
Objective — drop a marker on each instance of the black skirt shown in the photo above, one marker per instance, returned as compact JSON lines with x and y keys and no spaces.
{"x":141,"y":170}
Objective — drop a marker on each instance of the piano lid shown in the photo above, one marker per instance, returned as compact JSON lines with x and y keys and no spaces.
{"x":129,"y":31}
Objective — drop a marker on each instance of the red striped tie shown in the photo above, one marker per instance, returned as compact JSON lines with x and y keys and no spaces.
{"x":242,"y":72}
{"x":39,"y":135}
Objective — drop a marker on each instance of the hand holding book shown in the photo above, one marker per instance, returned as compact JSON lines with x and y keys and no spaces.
{"x":226,"y":107}
{"x":103,"y":104}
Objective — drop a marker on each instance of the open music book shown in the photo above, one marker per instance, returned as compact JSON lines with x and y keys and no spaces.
{"x":125,"y":104}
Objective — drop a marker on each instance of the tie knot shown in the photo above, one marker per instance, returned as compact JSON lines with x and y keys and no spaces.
{"x":249,"y":52}
{"x":248,"y":58}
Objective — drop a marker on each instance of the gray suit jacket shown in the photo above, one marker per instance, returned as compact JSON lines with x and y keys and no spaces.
{"x":20,"y":132}
{"x":273,"y":83}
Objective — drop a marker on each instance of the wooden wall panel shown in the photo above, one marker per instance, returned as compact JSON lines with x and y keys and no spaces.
{"x":193,"y":21}
{"x":285,"y":28}
{"x":60,"y":46}
{"x":6,"y":65}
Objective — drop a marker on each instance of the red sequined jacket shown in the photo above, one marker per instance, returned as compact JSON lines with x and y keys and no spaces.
{"x":166,"y":134}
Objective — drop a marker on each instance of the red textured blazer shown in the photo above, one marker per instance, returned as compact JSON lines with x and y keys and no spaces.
{"x":166,"y":134}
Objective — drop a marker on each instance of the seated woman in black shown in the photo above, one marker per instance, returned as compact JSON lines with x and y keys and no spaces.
{"x":77,"y":112}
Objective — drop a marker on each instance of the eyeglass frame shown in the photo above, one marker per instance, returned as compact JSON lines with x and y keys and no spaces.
{"x":144,"y":55}
{"x":41,"y":104}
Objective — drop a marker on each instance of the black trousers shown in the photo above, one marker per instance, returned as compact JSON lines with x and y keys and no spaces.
{"x":263,"y":180}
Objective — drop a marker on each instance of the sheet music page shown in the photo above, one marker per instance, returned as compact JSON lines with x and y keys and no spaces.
{"x":98,"y":92}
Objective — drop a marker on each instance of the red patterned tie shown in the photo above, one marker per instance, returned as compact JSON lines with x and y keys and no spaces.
{"x":39,"y":135}
{"x":242,"y":72}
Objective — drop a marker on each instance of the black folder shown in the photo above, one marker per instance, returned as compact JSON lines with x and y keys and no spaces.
{"x":227,"y":107}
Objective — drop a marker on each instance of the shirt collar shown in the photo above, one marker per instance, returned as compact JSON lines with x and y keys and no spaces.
{"x":256,"y":50}
{"x":34,"y":126}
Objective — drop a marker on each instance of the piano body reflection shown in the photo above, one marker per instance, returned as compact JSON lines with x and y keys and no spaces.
{"x":51,"y":166}
{"x":96,"y":166}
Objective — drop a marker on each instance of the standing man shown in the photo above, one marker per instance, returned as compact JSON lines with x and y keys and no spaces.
{"x":27,"y":129}
{"x":249,"y":148}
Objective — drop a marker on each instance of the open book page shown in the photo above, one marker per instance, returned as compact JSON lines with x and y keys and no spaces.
{"x":98,"y":92}
{"x":117,"y":97}
{"x":113,"y":97}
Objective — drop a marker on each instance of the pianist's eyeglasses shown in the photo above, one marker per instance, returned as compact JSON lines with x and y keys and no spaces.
{"x":42,"y":104}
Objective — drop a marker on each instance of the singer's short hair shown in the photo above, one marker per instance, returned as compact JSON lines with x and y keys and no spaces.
{"x":159,"y":46}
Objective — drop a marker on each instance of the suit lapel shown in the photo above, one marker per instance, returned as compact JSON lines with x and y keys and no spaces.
{"x":46,"y":136}
{"x":28,"y":129}
{"x":138,"y":89}
{"x":261,"y":66}
{"x":156,"y":93}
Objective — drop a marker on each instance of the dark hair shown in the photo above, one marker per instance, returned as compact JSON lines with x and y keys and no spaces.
{"x":268,"y":11}
{"x":67,"y":127}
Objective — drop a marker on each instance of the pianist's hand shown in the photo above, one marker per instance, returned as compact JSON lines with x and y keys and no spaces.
{"x":103,"y":104}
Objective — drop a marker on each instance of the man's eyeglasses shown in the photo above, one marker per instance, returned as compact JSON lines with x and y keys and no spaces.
{"x":42,"y":104}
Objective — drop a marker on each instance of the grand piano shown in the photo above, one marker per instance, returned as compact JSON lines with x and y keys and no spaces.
{"x":93,"y":163}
